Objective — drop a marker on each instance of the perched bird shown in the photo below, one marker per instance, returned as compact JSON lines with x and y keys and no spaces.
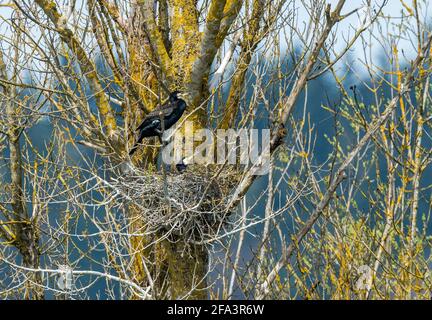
{"x":152,"y":126}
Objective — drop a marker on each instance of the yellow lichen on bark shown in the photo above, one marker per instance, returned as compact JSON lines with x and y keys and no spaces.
{"x":155,"y":37}
{"x":152,"y":59}
{"x":231,"y":10}
{"x":251,"y":38}
{"x":87,"y":66}
{"x":185,"y":37}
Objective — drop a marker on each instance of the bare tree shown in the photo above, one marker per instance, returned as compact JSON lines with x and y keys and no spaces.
{"x":77,"y":212}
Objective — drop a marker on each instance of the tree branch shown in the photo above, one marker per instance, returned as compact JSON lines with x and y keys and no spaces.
{"x":288,"y":107}
{"x":340,"y":175}
{"x":87,"y":66}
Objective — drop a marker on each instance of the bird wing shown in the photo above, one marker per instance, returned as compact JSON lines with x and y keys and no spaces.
{"x":161,"y":110}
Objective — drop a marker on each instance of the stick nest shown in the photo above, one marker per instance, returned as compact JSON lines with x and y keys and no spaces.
{"x":191,"y":205}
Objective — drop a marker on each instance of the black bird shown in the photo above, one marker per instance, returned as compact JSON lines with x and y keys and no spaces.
{"x":170,"y":112}
{"x":182,"y":165}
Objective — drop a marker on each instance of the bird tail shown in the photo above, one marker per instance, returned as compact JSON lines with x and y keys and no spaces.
{"x":134,"y":148}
